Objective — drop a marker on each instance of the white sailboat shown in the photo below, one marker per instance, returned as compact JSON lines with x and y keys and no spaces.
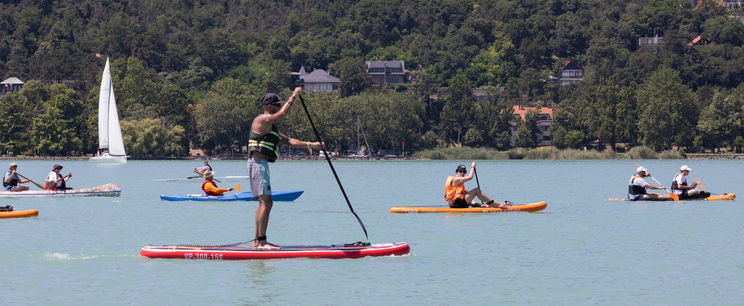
{"x":110,"y":142}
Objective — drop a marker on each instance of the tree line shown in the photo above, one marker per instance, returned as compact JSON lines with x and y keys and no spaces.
{"x":191,"y":72}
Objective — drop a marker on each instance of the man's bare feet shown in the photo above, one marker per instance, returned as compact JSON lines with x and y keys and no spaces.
{"x":263,"y":245}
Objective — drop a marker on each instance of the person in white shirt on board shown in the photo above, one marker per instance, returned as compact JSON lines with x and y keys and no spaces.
{"x":637,"y":188}
{"x":685,"y":191}
{"x":55,"y":180}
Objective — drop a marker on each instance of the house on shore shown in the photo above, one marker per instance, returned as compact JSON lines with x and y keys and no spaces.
{"x":569,"y":73}
{"x":545,"y":120}
{"x":387,"y":72}
{"x":11,"y":84}
{"x":318,"y":80}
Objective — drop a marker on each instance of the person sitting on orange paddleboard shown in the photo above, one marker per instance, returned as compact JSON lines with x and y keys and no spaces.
{"x":458,"y":197}
{"x":210,"y":187}
{"x":680,"y":187}
{"x":637,"y":187}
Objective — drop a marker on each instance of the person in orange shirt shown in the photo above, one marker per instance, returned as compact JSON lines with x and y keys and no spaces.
{"x":458,"y":197}
{"x":210,"y":187}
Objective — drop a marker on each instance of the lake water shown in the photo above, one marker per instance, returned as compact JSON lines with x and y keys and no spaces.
{"x":582,"y":249}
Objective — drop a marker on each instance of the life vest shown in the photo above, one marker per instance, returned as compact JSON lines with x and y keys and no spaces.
{"x":266,"y":144}
{"x":13,"y":182}
{"x":675,"y":185}
{"x":453,"y":192}
{"x":207,"y":192}
{"x":635,"y":189}
{"x":62,"y":185}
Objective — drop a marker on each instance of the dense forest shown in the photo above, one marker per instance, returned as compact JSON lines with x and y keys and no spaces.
{"x":189,"y":72}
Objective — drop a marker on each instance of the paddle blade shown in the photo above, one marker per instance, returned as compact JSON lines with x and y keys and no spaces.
{"x":674,"y":196}
{"x":616,"y":199}
{"x":697,"y":181}
{"x":237,"y":187}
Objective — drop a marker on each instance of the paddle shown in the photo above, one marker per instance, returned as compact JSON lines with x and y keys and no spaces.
{"x":475,"y":170}
{"x":322,"y":147}
{"x":30,"y":180}
{"x":671,"y":194}
{"x":697,"y":181}
{"x":237,"y":187}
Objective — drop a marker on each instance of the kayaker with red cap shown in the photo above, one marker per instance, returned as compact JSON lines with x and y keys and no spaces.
{"x":55,"y":180}
{"x":458,"y":197}
{"x":637,"y":187}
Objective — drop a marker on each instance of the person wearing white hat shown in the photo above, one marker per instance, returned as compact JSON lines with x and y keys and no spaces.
{"x":680,"y":187}
{"x":210,"y":188}
{"x":11,"y":179}
{"x":637,"y":188}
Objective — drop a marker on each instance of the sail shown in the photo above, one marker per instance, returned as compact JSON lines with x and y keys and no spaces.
{"x":116,"y":142}
{"x":104,"y":95}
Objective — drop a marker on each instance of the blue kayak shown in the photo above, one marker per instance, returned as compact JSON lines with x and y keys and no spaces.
{"x":243,"y":196}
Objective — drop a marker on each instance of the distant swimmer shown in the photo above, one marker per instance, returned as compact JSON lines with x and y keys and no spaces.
{"x":12,"y":179}
{"x":263,"y":144}
{"x":637,"y":187}
{"x":685,"y":191}
{"x":458,"y":197}
{"x":210,"y":187}
{"x":55,"y":180}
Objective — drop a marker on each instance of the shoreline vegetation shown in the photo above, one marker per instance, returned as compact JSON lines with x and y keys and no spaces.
{"x":459,"y":153}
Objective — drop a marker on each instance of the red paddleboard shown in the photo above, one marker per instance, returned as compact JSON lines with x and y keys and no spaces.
{"x":243,"y":252}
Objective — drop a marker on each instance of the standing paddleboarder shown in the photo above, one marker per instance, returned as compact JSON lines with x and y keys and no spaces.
{"x":263,"y":144}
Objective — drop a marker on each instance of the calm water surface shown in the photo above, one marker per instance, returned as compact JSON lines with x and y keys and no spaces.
{"x":582,"y":249}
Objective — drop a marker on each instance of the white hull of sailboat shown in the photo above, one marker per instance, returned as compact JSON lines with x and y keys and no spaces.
{"x":109,"y":159}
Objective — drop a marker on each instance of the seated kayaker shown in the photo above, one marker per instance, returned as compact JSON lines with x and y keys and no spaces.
{"x":458,"y":197}
{"x":200,"y":170}
{"x":11,"y":179}
{"x":210,"y":188}
{"x":680,"y":187}
{"x":55,"y":180}
{"x":637,"y":187}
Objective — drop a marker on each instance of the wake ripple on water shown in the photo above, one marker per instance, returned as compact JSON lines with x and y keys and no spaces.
{"x":68,"y":257}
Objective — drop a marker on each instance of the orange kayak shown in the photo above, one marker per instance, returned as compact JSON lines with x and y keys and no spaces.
{"x":523,"y":207}
{"x":19,"y":213}
{"x":718,"y":197}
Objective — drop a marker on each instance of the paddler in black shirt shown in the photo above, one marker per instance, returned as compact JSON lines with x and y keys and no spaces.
{"x":263,"y":144}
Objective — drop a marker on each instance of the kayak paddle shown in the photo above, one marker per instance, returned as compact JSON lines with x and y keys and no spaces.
{"x":697,"y":181}
{"x":30,"y":180}
{"x":237,"y":187}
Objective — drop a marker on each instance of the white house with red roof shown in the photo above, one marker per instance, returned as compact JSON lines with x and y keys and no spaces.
{"x":545,"y":119}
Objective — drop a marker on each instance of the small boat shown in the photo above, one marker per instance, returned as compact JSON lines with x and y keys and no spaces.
{"x":243,"y":252}
{"x":521,"y":207}
{"x":285,"y":196}
{"x":19,"y":213}
{"x":109,"y":130}
{"x":718,"y":197}
{"x":108,"y":190}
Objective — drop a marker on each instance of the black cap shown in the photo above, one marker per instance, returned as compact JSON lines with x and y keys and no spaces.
{"x":270,"y":98}
{"x":461,"y":168}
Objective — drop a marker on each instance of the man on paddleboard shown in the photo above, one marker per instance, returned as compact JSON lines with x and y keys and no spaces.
{"x":458,"y":197}
{"x":680,"y":187}
{"x":210,"y":187}
{"x":637,"y":187}
{"x":263,"y":144}
{"x":11,"y":179}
